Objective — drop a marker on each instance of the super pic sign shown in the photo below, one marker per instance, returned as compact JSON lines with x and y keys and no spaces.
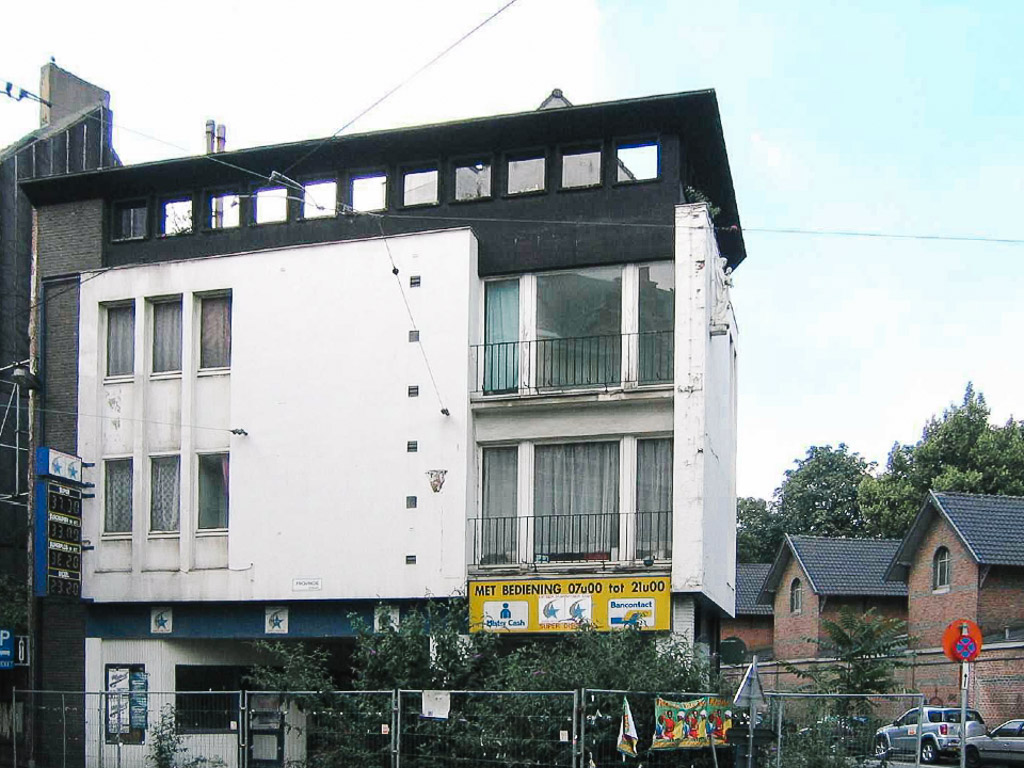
{"x":962,"y":640}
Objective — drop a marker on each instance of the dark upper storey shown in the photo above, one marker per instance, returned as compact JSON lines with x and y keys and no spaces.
{"x":543,"y":230}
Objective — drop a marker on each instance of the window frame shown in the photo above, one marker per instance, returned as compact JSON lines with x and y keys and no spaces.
{"x":254,"y":207}
{"x":582,"y":148}
{"x":105,"y":308}
{"x":423,"y":167}
{"x":368,"y":172}
{"x":151,"y":304}
{"x":639,"y":140}
{"x":198,"y":529}
{"x":161,"y":224}
{"x":240,"y":672}
{"x":155,"y":533}
{"x":535,"y":153}
{"x":212,"y":370}
{"x":208,"y":197}
{"x":312,"y":181}
{"x":115,"y":208}
{"x":796,"y":596}
{"x":942,"y":559}
{"x":130,"y":460}
{"x":466,"y":161}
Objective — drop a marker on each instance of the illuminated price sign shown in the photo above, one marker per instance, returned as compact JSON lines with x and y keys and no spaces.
{"x":58,"y":539}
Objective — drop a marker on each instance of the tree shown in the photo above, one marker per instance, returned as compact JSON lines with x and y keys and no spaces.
{"x":961,"y":451}
{"x":866,"y":648}
{"x":758,"y":531}
{"x":817,"y":497}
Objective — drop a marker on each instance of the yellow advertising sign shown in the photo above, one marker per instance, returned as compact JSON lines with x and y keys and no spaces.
{"x":563,"y":605}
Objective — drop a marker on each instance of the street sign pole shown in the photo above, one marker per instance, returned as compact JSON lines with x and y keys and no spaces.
{"x":965,"y":671}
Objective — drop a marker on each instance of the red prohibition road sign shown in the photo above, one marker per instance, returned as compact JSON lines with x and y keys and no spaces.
{"x":962,"y":640}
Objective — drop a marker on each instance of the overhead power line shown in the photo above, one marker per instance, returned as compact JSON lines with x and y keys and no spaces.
{"x":404,"y":82}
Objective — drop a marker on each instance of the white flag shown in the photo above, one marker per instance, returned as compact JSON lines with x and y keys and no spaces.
{"x":627,"y":731}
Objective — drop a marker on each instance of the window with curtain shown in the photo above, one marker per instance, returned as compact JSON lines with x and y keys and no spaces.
{"x":117,"y":496}
{"x":213,"y":491}
{"x":796,"y":596}
{"x":654,"y":498}
{"x":501,"y":336}
{"x":165,"y":489}
{"x":579,"y":328}
{"x":941,"y":568}
{"x":121,"y":340}
{"x":657,"y":323}
{"x":215,"y":332}
{"x":576,"y":501}
{"x":167,"y":336}
{"x":499,"y":524}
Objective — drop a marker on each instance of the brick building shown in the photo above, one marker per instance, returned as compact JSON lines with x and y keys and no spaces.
{"x":963,"y":557}
{"x":814,"y":577}
{"x":753,"y":624}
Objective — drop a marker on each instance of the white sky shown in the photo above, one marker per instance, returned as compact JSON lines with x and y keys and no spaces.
{"x":869,"y":119}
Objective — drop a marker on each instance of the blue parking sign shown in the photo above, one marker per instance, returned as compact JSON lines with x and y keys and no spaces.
{"x":6,"y":649}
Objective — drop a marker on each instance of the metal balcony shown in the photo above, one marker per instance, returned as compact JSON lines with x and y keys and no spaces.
{"x":545,"y":365}
{"x":601,"y":537}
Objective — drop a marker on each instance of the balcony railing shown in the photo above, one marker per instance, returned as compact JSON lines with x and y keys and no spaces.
{"x":602,"y":537}
{"x":509,"y":367}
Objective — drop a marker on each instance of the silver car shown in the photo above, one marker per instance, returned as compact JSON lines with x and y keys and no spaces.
{"x":1004,"y":745}
{"x":940,"y":733}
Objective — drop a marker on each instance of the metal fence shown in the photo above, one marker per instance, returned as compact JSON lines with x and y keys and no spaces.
{"x":434,"y":729}
{"x":499,"y":728}
{"x":826,"y":730}
{"x":601,"y":716}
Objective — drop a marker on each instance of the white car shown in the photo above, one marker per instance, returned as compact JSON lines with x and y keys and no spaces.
{"x":1003,"y":745}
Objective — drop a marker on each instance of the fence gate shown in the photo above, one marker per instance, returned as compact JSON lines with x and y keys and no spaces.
{"x":456,"y":729}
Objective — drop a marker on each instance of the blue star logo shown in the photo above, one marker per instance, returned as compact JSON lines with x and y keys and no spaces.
{"x":276,"y":621}
{"x":56,"y":466}
{"x":161,"y":620}
{"x":73,"y":471}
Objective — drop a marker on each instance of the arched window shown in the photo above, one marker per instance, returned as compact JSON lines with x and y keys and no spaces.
{"x":941,"y":569}
{"x":796,"y":596}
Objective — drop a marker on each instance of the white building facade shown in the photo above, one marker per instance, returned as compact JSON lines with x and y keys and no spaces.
{"x":302,"y":423}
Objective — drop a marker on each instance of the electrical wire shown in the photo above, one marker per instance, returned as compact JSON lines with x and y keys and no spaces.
{"x":412,"y":320}
{"x":76,"y":414}
{"x":404,"y":82}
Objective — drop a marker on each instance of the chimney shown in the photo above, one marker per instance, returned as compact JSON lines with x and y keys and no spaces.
{"x":216,"y":137}
{"x":222,"y":134}
{"x":210,"y":126}
{"x":66,"y":94}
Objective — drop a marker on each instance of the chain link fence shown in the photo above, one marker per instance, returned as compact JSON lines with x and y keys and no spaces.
{"x":841,"y":731}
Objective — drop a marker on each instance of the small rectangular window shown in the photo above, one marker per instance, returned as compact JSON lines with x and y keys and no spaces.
{"x":319,"y":199}
{"x":414,"y":391}
{"x":526,"y":175}
{"x":215,"y":332}
{"x":216,"y":707}
{"x":176,"y":217}
{"x":213,"y":491}
{"x":412,"y":446}
{"x":415,"y":281}
{"x":473,"y":181}
{"x":370,"y":193}
{"x":414,"y":336}
{"x":164,"y":505}
{"x":121,"y":340}
{"x":420,"y":188}
{"x":223,"y":210}
{"x":167,"y":336}
{"x":637,"y":162}
{"x":130,"y":220}
{"x":271,"y":205}
{"x":117,"y":496}
{"x":581,"y":169}
{"x":410,"y":502}
{"x":410,"y":559}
